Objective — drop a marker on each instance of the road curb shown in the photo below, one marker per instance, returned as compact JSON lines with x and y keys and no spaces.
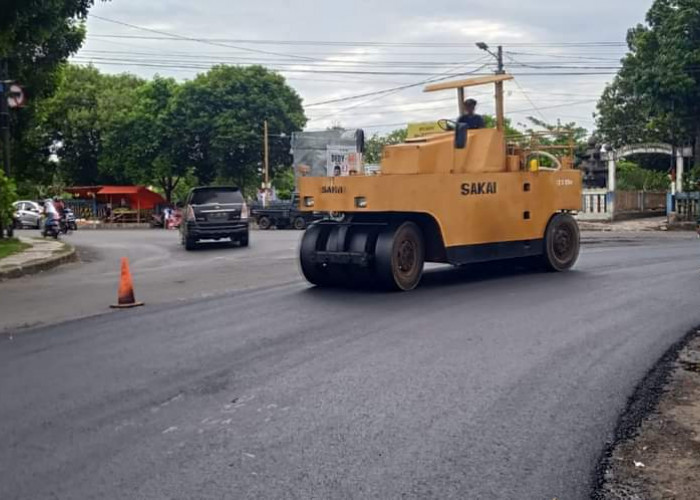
{"x":39,"y":265}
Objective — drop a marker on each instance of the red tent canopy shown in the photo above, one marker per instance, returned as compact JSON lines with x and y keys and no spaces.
{"x":135,"y":196}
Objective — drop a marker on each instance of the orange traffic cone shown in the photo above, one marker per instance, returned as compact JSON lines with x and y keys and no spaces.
{"x":126,"y":289}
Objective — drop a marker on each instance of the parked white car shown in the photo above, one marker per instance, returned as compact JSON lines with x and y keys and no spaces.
{"x":28,"y":213}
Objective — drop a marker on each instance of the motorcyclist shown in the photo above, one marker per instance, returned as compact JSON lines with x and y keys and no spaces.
{"x":50,"y":212}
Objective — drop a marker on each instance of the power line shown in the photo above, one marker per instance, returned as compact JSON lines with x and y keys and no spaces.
{"x":219,"y":57}
{"x":526,"y":94}
{"x":340,"y":72}
{"x":199,"y":40}
{"x":401,"y":124}
{"x":396,"y":90}
{"x":353,"y":43}
{"x":385,"y":51}
{"x":526,"y":110}
{"x":385,"y":91}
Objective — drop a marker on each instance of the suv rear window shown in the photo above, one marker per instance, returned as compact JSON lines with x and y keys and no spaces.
{"x":221,"y":196}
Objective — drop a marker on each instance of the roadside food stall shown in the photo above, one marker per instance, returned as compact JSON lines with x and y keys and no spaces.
{"x":128,"y":204}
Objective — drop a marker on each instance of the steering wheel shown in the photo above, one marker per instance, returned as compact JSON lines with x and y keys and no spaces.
{"x":447,"y":125}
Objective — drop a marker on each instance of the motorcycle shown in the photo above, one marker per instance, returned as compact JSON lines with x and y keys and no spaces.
{"x":68,"y":222}
{"x":51,"y":228}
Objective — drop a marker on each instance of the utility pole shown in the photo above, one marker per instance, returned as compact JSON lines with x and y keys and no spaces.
{"x":266,"y":182}
{"x":500,"y":110}
{"x":5,"y":116}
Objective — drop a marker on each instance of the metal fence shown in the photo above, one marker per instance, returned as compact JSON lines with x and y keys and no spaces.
{"x":600,"y":205}
{"x":687,"y":206}
{"x":595,"y":205}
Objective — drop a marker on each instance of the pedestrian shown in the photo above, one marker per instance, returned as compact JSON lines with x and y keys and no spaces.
{"x":167,"y":213}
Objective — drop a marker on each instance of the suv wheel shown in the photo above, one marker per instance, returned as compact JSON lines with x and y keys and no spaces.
{"x":190,"y":243}
{"x":243,"y":240}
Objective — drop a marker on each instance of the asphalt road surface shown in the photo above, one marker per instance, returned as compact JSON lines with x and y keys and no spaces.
{"x":486,"y":383}
{"x":162,"y":271}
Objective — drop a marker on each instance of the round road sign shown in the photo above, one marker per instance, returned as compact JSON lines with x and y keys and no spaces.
{"x":15,"y":96}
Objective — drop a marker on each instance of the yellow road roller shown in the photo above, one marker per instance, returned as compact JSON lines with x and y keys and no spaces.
{"x":459,"y":196}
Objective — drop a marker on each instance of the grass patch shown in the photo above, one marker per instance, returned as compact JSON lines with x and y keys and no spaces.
{"x":11,"y":246}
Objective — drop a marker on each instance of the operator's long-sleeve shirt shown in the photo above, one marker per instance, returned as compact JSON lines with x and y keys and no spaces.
{"x":472,"y":121}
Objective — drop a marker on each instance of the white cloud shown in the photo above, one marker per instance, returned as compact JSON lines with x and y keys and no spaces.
{"x":396,"y":21}
{"x":468,"y":29}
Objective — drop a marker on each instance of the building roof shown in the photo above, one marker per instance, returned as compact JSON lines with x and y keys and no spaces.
{"x":120,"y":189}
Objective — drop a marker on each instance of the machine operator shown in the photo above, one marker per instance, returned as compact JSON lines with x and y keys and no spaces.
{"x":470,"y":118}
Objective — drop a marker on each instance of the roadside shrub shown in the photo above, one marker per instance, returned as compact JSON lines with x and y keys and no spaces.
{"x":8,"y":195}
{"x":632,"y":177}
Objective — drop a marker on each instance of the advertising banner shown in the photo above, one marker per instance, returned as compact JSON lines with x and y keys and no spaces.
{"x":342,"y":161}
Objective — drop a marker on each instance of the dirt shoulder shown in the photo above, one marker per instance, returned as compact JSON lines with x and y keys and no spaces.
{"x":656,"y":454}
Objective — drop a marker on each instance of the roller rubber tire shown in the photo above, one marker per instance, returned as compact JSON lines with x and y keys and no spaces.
{"x":561,"y":243}
{"x":399,"y":257}
{"x":314,"y":273}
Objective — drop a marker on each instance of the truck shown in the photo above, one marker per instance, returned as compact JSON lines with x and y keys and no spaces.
{"x":283,"y":215}
{"x":459,"y":196}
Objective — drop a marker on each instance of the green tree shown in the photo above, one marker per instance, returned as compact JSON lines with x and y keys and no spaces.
{"x":143,"y":143}
{"x":656,"y":94}
{"x":375,"y":144}
{"x":632,"y":177}
{"x":219,"y":116}
{"x":283,"y":183}
{"x":86,"y":106}
{"x":36,"y":36}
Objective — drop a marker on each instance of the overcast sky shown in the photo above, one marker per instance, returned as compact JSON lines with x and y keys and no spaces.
{"x":330,"y":49}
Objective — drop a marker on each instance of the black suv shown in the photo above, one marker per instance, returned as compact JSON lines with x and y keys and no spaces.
{"x":214,"y":213}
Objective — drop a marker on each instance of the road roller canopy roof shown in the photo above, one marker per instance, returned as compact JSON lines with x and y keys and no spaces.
{"x":471,"y":82}
{"x":460,"y":85}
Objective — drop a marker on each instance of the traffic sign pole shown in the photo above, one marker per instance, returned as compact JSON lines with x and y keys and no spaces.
{"x":5,"y":118}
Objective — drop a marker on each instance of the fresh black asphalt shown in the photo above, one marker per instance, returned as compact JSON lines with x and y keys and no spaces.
{"x":484,"y":383}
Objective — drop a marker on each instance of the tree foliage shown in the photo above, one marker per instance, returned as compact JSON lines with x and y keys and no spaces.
{"x":142,"y":145}
{"x":375,"y":144}
{"x":86,"y":106}
{"x":7,"y":196}
{"x":220,"y":115}
{"x":36,"y":36}
{"x":121,"y":129}
{"x":656,"y":94}
{"x":632,"y":177}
